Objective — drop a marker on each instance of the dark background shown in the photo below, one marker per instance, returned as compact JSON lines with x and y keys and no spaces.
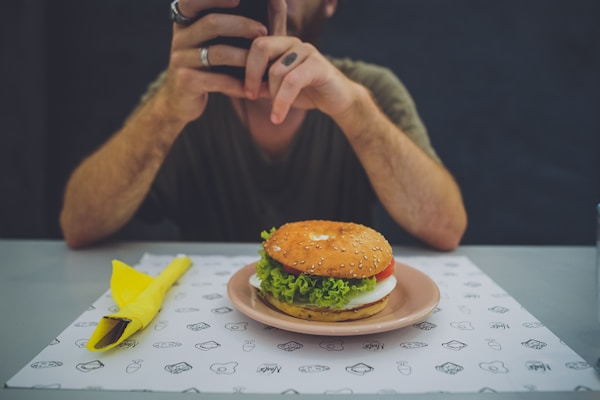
{"x":509,"y":90}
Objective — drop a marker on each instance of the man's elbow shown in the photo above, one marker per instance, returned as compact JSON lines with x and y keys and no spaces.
{"x":75,"y":242}
{"x":455,"y":235}
{"x":447,"y":236}
{"x":447,"y":243}
{"x":74,"y":237}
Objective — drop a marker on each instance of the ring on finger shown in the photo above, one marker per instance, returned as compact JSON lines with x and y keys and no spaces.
{"x":204,"y":56}
{"x":179,"y":18}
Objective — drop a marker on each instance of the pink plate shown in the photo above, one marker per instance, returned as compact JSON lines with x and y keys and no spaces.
{"x":413,"y":299}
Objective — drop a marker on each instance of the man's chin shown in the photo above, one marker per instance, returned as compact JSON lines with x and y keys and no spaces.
{"x":310,"y":33}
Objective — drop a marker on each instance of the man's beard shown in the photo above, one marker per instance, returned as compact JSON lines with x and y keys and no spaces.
{"x":311,"y":26}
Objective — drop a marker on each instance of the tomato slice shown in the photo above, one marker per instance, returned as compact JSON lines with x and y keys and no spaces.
{"x":290,"y":270}
{"x":387,"y":272}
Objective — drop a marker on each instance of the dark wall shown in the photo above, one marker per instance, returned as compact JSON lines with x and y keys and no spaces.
{"x":101,"y":55}
{"x":22,"y":120}
{"x":510,"y":92}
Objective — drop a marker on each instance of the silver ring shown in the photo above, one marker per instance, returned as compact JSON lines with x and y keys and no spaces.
{"x":179,"y":18}
{"x":204,"y":56}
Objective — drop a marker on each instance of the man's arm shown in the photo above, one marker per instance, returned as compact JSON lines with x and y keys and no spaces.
{"x":105,"y":191}
{"x":416,"y":190}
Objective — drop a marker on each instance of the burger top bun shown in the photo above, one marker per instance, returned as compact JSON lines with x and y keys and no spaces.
{"x":330,"y":248}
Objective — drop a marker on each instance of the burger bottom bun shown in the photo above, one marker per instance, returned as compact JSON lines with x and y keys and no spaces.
{"x":326,"y":315}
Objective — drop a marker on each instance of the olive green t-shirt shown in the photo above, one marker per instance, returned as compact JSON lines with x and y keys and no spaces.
{"x":216,"y":185}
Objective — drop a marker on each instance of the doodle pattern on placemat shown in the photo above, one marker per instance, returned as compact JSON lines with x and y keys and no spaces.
{"x":479,"y":339}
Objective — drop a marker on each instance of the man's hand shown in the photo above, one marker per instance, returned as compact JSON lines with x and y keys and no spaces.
{"x":299,"y":76}
{"x":188,"y":82}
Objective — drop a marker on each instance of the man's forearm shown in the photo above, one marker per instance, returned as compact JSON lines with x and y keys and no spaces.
{"x":106,"y":190}
{"x":417,"y":191}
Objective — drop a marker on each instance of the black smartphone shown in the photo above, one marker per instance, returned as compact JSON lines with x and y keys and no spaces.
{"x":255,"y":9}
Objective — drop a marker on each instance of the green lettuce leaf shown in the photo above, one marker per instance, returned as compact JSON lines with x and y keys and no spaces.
{"x":314,"y":291}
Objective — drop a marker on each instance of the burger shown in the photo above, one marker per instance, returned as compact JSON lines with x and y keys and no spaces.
{"x":325,"y":270}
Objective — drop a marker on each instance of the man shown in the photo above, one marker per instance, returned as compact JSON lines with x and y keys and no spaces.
{"x":225,"y":158}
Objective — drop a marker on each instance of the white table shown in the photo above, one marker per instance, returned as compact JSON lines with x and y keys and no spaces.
{"x":556,"y":284}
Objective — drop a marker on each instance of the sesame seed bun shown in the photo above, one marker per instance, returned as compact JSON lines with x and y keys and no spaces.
{"x":330,"y":248}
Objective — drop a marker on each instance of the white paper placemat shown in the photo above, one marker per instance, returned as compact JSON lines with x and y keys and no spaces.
{"x":479,"y":339}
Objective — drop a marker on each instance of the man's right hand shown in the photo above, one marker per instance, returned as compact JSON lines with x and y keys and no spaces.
{"x":185,"y":91}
